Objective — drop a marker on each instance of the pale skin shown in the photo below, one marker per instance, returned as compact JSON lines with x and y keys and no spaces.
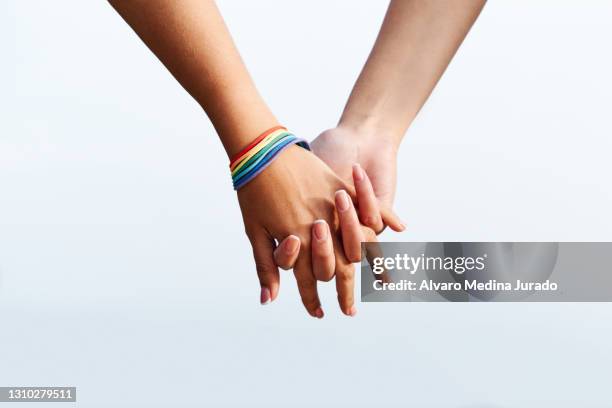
{"x":416,"y":42}
{"x":191,"y":40}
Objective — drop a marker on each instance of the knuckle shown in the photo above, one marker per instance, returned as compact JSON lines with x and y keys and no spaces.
{"x":354,"y":256}
{"x":263,"y":265}
{"x":322,"y":251}
{"x":370,"y":235}
{"x":344,"y":275}
{"x":306,"y":286}
{"x":325,"y":276}
{"x":370,"y":220}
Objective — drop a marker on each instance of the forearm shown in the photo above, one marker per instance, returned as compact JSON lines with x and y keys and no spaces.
{"x":191,"y":40}
{"x":416,"y":42}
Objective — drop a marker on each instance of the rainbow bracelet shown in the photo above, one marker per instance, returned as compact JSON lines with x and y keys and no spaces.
{"x":258,"y":155}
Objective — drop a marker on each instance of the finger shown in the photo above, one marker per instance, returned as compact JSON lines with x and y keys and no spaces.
{"x":373,"y":251}
{"x":287,"y":252}
{"x":345,"y":281}
{"x":371,"y":247}
{"x":392,"y":220}
{"x":307,"y":284}
{"x":323,"y":261}
{"x":263,"y":247}
{"x":369,"y":210}
{"x":349,"y":225}
{"x":345,"y":284}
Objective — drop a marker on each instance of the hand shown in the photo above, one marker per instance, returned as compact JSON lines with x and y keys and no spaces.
{"x":322,"y":251}
{"x":341,"y":147}
{"x":294,"y":190}
{"x":353,"y":233}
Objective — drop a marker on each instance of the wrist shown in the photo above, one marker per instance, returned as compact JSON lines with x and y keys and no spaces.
{"x":249,"y":162}
{"x":368,"y":130}
{"x":238,"y":117}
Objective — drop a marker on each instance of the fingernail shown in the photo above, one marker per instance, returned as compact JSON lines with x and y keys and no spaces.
{"x":265,"y":297}
{"x":357,"y":172}
{"x":320,"y":230}
{"x":402,"y":226}
{"x":292,"y":244}
{"x":353,"y":311}
{"x":319,"y":313}
{"x":342,"y":200}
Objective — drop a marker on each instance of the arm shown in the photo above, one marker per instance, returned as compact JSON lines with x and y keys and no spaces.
{"x":192,"y":41}
{"x":417,"y":40}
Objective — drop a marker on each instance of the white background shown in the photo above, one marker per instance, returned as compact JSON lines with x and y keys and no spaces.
{"x":124,"y":269}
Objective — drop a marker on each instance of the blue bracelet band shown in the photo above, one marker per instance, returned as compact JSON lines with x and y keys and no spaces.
{"x":249,"y":165}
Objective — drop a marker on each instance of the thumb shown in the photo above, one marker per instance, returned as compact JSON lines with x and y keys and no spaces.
{"x":267,"y":271}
